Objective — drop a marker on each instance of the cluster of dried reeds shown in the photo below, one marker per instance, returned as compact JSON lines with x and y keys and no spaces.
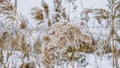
{"x":12,"y":37}
{"x":62,"y":39}
{"x":111,"y":17}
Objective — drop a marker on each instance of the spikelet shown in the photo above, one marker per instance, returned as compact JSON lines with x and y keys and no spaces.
{"x":46,"y":8}
{"x":37,"y":14}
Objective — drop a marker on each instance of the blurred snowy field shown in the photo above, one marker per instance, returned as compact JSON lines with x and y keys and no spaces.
{"x":91,"y":61}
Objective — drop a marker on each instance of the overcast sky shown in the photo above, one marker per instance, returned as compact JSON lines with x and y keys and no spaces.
{"x":24,"y":6}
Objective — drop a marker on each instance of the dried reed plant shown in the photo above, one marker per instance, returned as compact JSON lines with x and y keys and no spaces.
{"x":112,"y":18}
{"x":61,"y":38}
{"x":12,"y":37}
{"x":44,"y":15}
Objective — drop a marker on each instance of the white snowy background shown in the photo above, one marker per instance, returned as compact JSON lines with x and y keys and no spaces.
{"x":105,"y":61}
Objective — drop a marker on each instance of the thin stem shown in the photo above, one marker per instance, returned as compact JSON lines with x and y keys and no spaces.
{"x":72,"y":57}
{"x":112,"y":37}
{"x":36,"y":43}
{"x":15,"y":6}
{"x":116,"y":61}
{"x":113,"y":50}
